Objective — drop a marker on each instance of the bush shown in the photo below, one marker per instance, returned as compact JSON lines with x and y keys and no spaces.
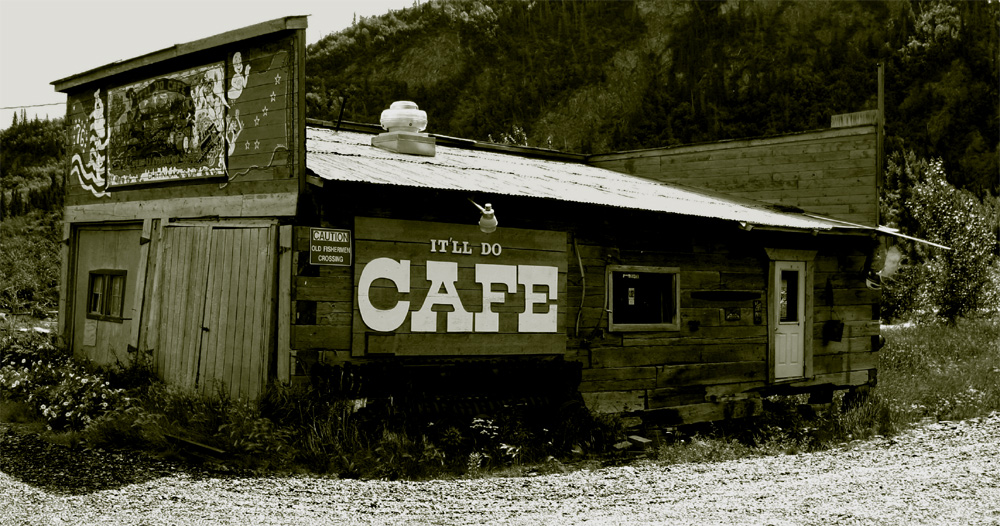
{"x":30,"y":263}
{"x":963,"y":281}
{"x":35,"y":371}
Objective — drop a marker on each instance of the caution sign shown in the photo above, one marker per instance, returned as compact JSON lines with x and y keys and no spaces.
{"x":329,"y":247}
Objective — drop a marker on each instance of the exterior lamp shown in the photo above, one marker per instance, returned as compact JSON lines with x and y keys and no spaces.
{"x":487,"y":218}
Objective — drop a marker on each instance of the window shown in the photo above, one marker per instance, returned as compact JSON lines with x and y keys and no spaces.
{"x":644,"y":298}
{"x":789,"y":296}
{"x":107,"y":292}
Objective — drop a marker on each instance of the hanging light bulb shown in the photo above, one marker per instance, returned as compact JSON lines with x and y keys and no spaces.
{"x":487,"y":218}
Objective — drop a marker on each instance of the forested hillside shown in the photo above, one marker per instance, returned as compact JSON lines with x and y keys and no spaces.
{"x":597,"y":76}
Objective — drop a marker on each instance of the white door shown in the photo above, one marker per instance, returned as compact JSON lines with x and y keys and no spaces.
{"x":789,"y":304}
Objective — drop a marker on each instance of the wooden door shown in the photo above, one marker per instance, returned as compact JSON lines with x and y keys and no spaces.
{"x":216,"y":308}
{"x":101,"y":325}
{"x":236,"y":334}
{"x":183,"y":273}
{"x":789,"y":308}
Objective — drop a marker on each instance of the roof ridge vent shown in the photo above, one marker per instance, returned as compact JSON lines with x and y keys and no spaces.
{"x":405,"y":122}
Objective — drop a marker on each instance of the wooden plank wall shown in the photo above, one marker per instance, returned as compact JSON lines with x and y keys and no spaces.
{"x":712,"y":368}
{"x":322,"y":303}
{"x":258,"y":139}
{"x":715,"y":367}
{"x":830,"y":172}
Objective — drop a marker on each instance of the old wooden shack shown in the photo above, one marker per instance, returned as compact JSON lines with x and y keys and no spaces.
{"x":215,"y":232}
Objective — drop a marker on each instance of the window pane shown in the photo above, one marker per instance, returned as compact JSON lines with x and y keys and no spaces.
{"x":95,"y":304}
{"x":115,"y":298}
{"x":643,"y":297}
{"x":789,"y":300}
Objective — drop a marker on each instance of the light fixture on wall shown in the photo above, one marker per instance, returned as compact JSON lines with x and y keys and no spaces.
{"x":487,"y":218}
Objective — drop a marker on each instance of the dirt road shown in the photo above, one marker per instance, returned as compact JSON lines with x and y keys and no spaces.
{"x":943,"y":473}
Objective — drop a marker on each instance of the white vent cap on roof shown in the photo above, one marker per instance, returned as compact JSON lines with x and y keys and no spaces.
{"x":404,"y":115}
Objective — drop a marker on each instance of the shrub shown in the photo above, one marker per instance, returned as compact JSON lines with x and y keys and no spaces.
{"x":34,"y":370}
{"x":30,"y":263}
{"x":963,"y":281}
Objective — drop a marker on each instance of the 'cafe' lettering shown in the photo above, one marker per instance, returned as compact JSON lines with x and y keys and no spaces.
{"x":444,"y":275}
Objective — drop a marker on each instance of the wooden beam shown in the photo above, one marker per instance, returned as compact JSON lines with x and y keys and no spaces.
{"x":140,"y":284}
{"x":67,"y":251}
{"x":251,"y":205}
{"x":285,"y":270}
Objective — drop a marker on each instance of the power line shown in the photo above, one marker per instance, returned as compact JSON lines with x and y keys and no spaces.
{"x":32,"y":106}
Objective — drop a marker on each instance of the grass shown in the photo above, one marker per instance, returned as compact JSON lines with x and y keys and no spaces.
{"x":941,"y":371}
{"x":936,"y":372}
{"x":931,"y":371}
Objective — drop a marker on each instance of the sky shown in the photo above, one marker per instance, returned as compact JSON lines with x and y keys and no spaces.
{"x":46,"y":40}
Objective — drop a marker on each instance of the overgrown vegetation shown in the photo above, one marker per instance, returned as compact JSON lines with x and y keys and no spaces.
{"x":30,"y":263}
{"x":32,"y":167}
{"x":937,"y":372}
{"x":935,"y":283}
{"x":930,"y":371}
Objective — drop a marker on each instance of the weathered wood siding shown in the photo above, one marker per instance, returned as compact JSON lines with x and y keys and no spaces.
{"x":212,"y":322}
{"x":232,"y":150}
{"x":322,"y":308}
{"x":718,"y":363}
{"x":831,"y":172}
{"x":105,"y":248}
{"x":715,"y":366}
{"x":203,"y":146}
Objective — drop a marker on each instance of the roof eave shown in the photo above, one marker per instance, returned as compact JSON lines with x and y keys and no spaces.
{"x":179,"y":50}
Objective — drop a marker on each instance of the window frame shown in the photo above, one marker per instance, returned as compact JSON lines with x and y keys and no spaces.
{"x":674,"y":325}
{"x":103,"y":310}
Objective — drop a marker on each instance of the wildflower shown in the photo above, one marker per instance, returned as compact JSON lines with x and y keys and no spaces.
{"x":84,"y":381}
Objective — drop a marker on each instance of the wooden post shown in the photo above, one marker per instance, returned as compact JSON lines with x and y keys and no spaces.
{"x":140,"y":284}
{"x":66,"y":251}
{"x":285,"y":243}
{"x":880,"y":138}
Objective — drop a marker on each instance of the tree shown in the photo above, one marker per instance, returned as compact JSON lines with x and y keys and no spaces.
{"x":949,"y":283}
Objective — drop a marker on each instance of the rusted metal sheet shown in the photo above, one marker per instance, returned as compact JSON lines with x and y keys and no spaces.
{"x":349,"y":156}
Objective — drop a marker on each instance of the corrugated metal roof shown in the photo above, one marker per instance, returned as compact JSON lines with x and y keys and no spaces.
{"x":349,"y":156}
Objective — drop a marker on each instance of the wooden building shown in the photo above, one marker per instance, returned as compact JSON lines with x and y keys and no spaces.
{"x":214,"y":231}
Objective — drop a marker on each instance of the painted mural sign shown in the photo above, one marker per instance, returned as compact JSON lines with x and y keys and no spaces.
{"x":257,"y":117}
{"x":436,"y":278}
{"x":169,"y":127}
{"x":88,"y":143}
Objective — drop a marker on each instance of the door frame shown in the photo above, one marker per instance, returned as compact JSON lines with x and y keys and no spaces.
{"x":775,"y":256}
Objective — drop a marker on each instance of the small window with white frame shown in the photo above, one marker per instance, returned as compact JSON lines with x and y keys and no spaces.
{"x":644,"y":298}
{"x":106,"y":295}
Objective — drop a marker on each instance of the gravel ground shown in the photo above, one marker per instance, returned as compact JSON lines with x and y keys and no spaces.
{"x":942,"y":473}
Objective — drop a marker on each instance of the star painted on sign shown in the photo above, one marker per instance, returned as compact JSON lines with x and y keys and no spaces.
{"x":256,"y":145}
{"x":272,"y":96}
{"x":256,"y":121}
{"x":265,"y":111}
{"x":277,"y":78}
{"x":246,"y":146}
